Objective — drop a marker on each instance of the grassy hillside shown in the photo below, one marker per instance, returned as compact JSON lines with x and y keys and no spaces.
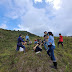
{"x":12,"y":61}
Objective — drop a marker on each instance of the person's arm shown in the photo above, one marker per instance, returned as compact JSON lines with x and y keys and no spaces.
{"x":59,"y":37}
{"x":50,"y":43}
{"x":24,"y":37}
{"x":24,"y":43}
{"x":42,"y":44}
{"x":21,"y":40}
{"x":47,"y":37}
{"x":35,"y":46}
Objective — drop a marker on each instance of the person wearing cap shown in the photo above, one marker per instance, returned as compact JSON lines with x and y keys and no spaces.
{"x":20,"y":43}
{"x":46,"y":40}
{"x":60,"y":40}
{"x":50,"y":51}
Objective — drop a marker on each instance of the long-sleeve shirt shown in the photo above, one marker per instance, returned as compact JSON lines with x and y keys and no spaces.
{"x":51,"y":40}
{"x":20,"y":40}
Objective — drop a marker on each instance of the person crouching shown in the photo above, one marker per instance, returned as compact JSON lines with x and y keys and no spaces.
{"x":38,"y":47}
{"x":20,"y":43}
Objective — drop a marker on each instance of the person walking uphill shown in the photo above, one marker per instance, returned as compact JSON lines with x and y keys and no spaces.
{"x":50,"y":51}
{"x":20,"y":43}
{"x":60,"y":40}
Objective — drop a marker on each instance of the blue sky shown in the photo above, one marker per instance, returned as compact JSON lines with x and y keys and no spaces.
{"x":37,"y":16}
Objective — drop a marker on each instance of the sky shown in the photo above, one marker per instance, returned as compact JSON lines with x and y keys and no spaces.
{"x":37,"y":16}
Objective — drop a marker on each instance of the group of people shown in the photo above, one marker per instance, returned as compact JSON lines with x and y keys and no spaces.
{"x":48,"y":44}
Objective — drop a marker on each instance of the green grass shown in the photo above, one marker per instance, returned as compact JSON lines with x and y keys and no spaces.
{"x":12,"y":61}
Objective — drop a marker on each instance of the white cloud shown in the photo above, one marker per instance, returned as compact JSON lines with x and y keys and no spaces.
{"x":48,"y":0}
{"x":18,"y":9}
{"x":55,"y":17}
{"x":36,"y":21}
{"x":4,"y":26}
{"x":56,"y":3}
{"x":21,"y":28}
{"x":38,"y":1}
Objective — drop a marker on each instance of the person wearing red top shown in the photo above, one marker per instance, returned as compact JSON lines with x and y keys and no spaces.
{"x":60,"y":40}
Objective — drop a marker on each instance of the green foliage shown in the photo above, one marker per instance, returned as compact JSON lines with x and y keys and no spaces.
{"x":12,"y":61}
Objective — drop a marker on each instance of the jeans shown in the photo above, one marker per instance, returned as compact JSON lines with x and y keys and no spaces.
{"x":20,"y":45}
{"x":46,"y":45}
{"x":50,"y":52}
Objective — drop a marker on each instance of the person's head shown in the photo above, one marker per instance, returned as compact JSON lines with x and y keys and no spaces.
{"x":50,"y":33}
{"x":20,"y":35}
{"x":45,"y":32}
{"x":27,"y":34}
{"x":59,"y":34}
{"x":35,"y":40}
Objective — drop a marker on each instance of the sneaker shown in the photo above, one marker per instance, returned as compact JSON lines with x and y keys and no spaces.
{"x":37,"y":52}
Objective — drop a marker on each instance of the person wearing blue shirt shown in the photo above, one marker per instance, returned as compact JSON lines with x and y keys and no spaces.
{"x":51,"y":46}
{"x":27,"y":38}
{"x":19,"y":43}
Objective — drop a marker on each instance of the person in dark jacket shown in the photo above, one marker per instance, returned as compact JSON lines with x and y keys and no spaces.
{"x":20,"y":43}
{"x":38,"y":47}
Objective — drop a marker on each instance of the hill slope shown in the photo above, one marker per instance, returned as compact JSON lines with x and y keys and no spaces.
{"x":12,"y":61}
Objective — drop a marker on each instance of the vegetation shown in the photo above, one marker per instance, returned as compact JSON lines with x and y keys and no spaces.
{"x":12,"y":61}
